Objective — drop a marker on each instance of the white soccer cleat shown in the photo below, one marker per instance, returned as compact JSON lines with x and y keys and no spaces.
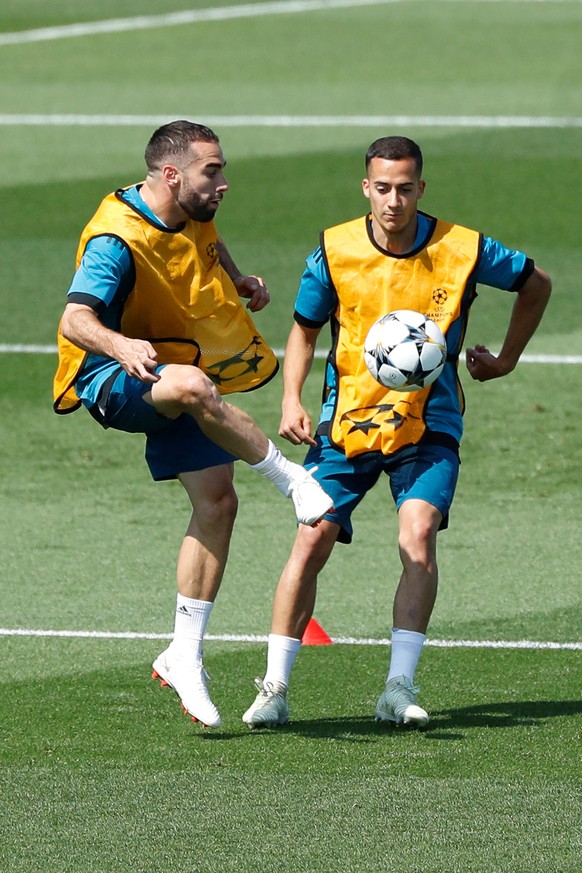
{"x":397,"y":703}
{"x":270,"y":707}
{"x":188,"y":679}
{"x":309,"y":499}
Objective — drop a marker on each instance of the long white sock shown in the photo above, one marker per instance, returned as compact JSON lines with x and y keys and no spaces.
{"x":279,"y":469}
{"x":190,"y":626}
{"x":281,"y":656}
{"x":406,"y":651}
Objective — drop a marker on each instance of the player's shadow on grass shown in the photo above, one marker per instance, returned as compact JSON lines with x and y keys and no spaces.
{"x":445,"y":724}
{"x":513,"y":713}
{"x":345,"y":729}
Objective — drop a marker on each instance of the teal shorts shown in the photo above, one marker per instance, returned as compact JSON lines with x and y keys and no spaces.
{"x":427,"y":471}
{"x":173,"y":446}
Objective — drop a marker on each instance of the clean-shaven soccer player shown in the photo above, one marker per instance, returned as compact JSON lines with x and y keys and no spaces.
{"x":395,"y":257}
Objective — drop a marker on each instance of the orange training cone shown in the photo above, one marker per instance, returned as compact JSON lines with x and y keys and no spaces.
{"x":315,"y":635}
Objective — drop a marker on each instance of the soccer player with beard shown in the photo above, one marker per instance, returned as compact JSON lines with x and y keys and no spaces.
{"x":153,"y":334}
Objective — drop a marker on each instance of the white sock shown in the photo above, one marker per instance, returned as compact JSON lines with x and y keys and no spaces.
{"x":190,"y":625}
{"x":281,"y":655}
{"x":406,"y":651}
{"x":279,"y":469}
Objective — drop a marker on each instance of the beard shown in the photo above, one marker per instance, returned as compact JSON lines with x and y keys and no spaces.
{"x":195,"y":208}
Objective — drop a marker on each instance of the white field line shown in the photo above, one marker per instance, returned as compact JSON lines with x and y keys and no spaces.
{"x":188,"y":16}
{"x":254,"y":638}
{"x":194,"y":16}
{"x":23,"y":349}
{"x":299,"y":121}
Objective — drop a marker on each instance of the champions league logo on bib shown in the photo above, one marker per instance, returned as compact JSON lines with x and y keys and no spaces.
{"x":369,"y":418}
{"x":239,"y":364}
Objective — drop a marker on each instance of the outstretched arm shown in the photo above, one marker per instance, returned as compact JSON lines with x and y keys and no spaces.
{"x":251,"y":287}
{"x":295,"y":423}
{"x":526,"y":315}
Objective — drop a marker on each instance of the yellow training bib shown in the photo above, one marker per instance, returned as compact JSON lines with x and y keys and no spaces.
{"x":369,"y":283}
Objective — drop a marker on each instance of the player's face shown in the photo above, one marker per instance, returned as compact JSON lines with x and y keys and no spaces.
{"x":393,"y":189}
{"x":202,"y":182}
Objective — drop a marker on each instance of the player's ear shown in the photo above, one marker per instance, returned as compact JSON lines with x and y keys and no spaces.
{"x":366,"y":188}
{"x":421,"y":187}
{"x":171,"y":175}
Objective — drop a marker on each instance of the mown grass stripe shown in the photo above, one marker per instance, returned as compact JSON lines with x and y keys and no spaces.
{"x":194,"y":16}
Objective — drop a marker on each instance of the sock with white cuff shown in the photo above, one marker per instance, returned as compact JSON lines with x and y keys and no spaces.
{"x":281,"y":655}
{"x":406,"y":651}
{"x":276,"y":467}
{"x":190,"y":626}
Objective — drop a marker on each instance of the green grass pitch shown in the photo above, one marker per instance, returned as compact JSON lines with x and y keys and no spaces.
{"x":98,"y":769}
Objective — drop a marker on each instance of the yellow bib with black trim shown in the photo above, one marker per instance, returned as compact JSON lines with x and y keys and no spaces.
{"x":370,"y":283}
{"x":183,"y":302}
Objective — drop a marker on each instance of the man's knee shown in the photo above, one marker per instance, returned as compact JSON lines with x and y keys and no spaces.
{"x":217,"y":510}
{"x":314,"y":545}
{"x":187,"y":388}
{"x":418,"y":531}
{"x":226,"y":507}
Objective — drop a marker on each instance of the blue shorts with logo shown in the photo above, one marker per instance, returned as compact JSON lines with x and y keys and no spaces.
{"x":427,"y":471}
{"x":173,"y":446}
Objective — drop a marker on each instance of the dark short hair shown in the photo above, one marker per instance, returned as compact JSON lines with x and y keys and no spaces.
{"x":173,"y":141}
{"x":395,"y":148}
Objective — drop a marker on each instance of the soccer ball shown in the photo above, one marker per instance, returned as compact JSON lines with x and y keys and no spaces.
{"x":405,"y":351}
